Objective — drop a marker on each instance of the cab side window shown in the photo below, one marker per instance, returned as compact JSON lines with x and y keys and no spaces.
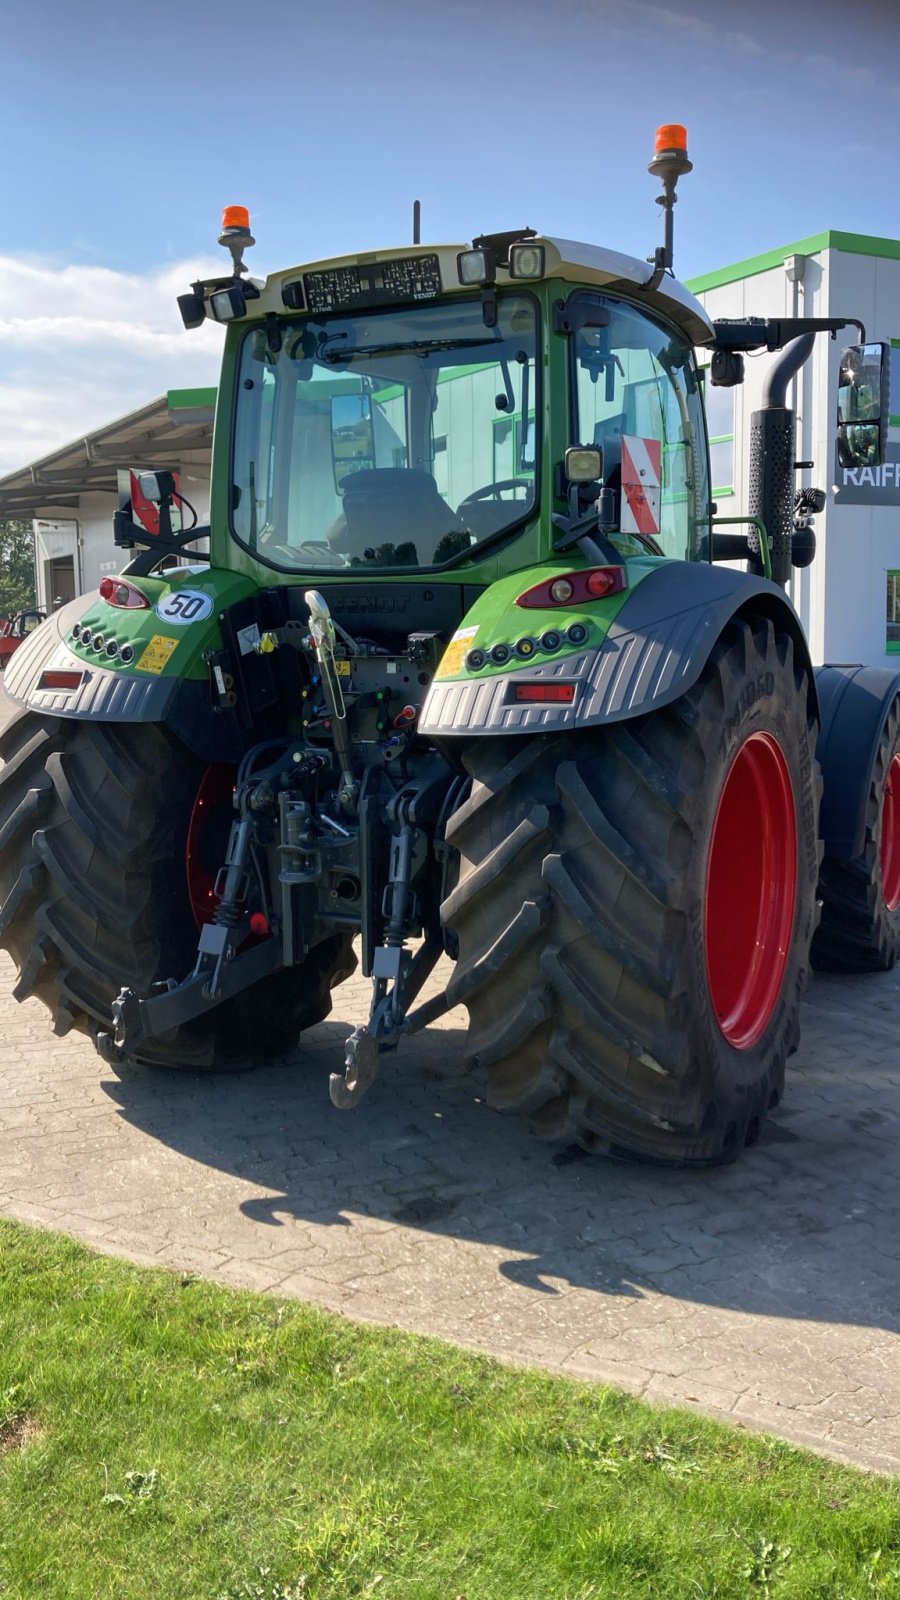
{"x":637,"y":395}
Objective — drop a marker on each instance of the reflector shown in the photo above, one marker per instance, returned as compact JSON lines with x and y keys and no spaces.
{"x":60,"y":680}
{"x":546,"y":693}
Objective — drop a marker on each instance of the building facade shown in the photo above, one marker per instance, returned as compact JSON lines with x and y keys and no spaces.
{"x":849,"y":598}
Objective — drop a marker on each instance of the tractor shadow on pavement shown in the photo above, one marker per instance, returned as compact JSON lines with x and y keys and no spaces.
{"x":805,"y":1225}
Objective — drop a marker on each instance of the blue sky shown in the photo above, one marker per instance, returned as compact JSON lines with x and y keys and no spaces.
{"x":126,"y":127}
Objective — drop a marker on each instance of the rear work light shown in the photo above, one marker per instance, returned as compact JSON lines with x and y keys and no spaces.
{"x":116,"y":592}
{"x":553,"y":694}
{"x":60,"y":680}
{"x":574,"y":588}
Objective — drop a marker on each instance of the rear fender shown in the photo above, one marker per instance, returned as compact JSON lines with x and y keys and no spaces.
{"x":654,"y":650}
{"x":176,"y":694}
{"x":856,"y":703}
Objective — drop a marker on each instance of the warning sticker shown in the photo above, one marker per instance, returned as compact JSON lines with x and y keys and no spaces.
{"x":157,"y":653}
{"x":248,"y":638}
{"x":641,"y":471}
{"x":342,"y":666}
{"x":453,"y":659}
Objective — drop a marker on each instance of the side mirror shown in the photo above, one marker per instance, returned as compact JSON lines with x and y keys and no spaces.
{"x":352,"y":436}
{"x":864,"y":404}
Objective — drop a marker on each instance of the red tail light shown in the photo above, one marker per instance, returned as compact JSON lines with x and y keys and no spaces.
{"x":60,"y":680}
{"x":118,"y":592}
{"x":574,"y":588}
{"x":554,"y":694}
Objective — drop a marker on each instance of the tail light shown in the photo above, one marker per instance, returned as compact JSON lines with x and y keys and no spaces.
{"x":118,"y":592}
{"x":51,"y":679}
{"x":574,"y":588}
{"x":553,"y":694}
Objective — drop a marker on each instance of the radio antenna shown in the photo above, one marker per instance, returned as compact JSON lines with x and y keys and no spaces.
{"x":417,"y":222}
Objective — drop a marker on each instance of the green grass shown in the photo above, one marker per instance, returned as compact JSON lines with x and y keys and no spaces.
{"x":163,"y":1437}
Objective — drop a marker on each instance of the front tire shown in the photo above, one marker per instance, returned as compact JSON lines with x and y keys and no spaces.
{"x":94,"y":891}
{"x":628,"y":982}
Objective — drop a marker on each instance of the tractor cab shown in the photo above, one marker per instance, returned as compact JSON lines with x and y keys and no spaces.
{"x":414,"y":411}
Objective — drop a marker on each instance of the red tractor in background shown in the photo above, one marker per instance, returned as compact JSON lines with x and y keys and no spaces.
{"x":15,"y":630}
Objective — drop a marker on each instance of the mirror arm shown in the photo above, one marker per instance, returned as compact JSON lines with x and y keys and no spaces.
{"x":773,"y":333}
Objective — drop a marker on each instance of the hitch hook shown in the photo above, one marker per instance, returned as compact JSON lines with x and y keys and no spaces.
{"x":360,"y":1070}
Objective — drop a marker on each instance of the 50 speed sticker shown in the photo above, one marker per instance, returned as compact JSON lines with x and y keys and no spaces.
{"x":185,"y":605}
{"x":157,"y":653}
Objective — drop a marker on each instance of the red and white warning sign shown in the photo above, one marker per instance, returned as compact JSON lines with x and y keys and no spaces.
{"x":641,"y":468}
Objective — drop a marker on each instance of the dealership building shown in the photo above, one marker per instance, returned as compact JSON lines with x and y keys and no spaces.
{"x":848,"y":599}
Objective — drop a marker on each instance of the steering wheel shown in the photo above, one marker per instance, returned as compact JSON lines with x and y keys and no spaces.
{"x":491,"y":491}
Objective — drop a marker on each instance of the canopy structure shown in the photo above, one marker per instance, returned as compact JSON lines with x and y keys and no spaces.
{"x":161,"y":434}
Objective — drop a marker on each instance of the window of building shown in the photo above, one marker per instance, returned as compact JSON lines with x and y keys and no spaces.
{"x":892,"y":635}
{"x":513,"y":454}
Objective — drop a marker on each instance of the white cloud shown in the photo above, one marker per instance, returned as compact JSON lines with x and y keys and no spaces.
{"x":81,"y":345}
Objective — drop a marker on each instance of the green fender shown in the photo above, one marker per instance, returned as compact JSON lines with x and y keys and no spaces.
{"x":157,"y":673}
{"x":641,"y":653}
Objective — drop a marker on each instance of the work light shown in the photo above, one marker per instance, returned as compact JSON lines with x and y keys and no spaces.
{"x":584,"y":464}
{"x":476,"y":267}
{"x":193,"y":310}
{"x":227,"y":304}
{"x":526,"y":261}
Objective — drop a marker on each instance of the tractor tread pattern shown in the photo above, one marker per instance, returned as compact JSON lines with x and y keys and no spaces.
{"x":858,"y":933}
{"x":93,"y":820}
{"x":579,"y":854}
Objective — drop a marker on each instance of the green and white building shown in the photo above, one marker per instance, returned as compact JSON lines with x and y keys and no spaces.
{"x":849,"y":599}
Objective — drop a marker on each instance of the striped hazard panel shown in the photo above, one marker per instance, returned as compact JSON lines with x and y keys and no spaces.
{"x":641,"y":469}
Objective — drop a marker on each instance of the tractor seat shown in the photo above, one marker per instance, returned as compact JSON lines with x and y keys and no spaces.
{"x":392,"y":506}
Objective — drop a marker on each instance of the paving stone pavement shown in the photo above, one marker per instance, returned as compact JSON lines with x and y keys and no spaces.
{"x":767,"y":1292}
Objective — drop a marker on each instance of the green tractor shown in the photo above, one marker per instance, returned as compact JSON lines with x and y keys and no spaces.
{"x":472,"y":670}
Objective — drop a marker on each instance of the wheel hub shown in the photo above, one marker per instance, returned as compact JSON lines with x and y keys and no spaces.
{"x":751,"y":890}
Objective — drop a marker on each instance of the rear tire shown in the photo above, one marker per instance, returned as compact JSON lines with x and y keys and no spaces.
{"x":94,"y":894}
{"x":590,"y":952}
{"x":860,"y":926}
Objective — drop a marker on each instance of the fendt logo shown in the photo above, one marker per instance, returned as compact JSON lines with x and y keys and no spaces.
{"x":356,"y":605}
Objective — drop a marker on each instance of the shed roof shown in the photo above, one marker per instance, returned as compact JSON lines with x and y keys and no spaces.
{"x":158,"y":435}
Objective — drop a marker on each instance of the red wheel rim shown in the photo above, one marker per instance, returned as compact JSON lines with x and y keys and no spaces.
{"x":207,"y":839}
{"x":751,"y":890}
{"x":890,"y":837}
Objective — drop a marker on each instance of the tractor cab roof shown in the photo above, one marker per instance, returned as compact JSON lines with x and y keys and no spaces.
{"x":356,"y":282}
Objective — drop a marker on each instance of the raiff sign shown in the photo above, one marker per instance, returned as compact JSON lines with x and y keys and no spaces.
{"x":869,"y":486}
